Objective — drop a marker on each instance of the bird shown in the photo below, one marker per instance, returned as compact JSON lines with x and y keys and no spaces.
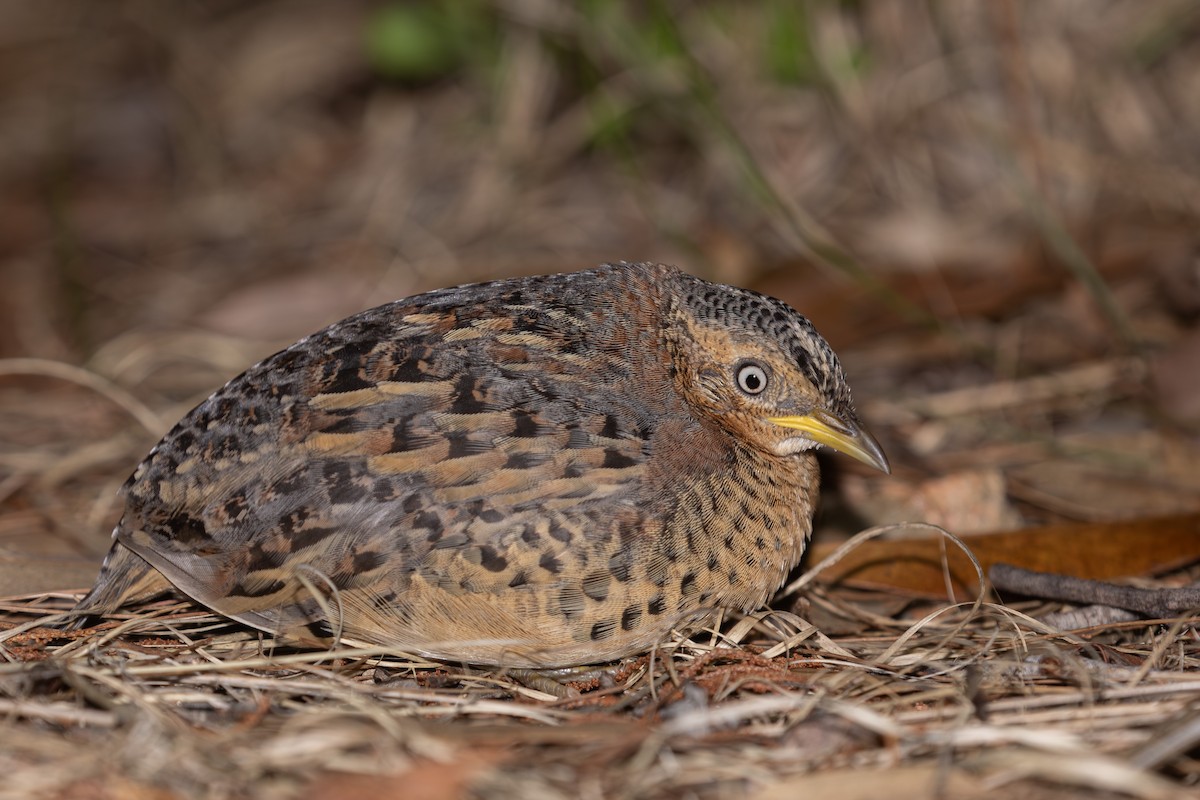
{"x":536,"y":472}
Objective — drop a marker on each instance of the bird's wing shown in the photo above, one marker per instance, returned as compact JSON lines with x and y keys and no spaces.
{"x":410,"y":456}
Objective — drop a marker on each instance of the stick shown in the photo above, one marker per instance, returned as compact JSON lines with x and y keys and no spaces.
{"x":1160,"y":603}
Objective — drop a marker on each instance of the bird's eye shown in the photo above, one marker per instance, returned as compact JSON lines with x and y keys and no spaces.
{"x":751,"y":377}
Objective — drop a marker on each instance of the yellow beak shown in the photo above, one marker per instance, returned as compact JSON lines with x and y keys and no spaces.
{"x":846,"y":437}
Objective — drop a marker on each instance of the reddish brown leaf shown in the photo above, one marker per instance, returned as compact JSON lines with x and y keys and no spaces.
{"x":1085,"y":550}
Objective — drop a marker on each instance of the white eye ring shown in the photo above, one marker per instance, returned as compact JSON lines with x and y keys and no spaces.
{"x":752,"y":378}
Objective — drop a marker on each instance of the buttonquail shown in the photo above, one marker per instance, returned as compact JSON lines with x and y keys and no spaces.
{"x":533,"y":473}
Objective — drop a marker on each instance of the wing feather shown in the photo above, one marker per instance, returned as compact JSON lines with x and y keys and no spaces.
{"x":425,"y":475}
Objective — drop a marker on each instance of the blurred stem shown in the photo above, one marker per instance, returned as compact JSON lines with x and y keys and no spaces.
{"x":801,"y":225}
{"x":1166,"y":33}
{"x":1068,"y":251}
{"x":608,"y":106}
{"x":1023,"y":152}
{"x":65,"y":247}
{"x":1006,"y":22}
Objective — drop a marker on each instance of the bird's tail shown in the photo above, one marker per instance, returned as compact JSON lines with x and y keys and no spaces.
{"x":125,"y":577}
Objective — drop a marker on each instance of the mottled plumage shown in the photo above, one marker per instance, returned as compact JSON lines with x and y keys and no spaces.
{"x":534,"y":472}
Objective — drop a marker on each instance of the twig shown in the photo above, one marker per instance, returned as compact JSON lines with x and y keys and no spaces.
{"x":1161,"y":603}
{"x":58,"y":713}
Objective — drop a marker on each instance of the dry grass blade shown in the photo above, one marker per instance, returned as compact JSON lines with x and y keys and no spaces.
{"x":184,"y":675}
{"x":145,"y":417}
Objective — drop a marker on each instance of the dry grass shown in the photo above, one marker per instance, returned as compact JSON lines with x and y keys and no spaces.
{"x":983,"y":698}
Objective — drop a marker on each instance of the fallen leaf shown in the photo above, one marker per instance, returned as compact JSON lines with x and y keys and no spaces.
{"x":424,"y":780}
{"x":923,"y":780}
{"x":920,"y":562}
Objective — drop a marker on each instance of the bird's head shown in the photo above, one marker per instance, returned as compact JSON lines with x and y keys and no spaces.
{"x":760,"y":370}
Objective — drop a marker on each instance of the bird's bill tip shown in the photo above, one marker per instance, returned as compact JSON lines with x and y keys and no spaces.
{"x":846,"y":437}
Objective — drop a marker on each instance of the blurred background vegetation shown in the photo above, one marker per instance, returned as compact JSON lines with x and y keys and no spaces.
{"x":161,"y":162}
{"x":964,"y":196}
{"x":991,"y":208}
